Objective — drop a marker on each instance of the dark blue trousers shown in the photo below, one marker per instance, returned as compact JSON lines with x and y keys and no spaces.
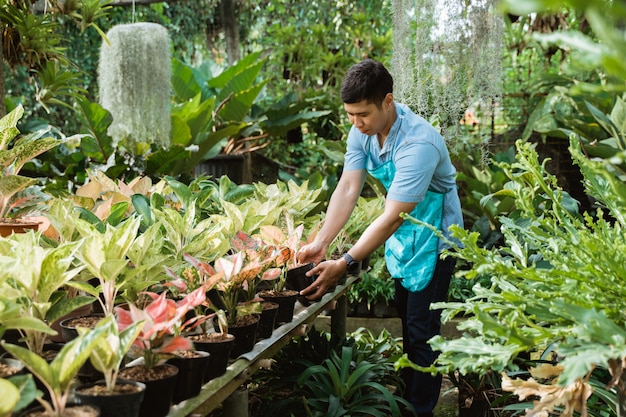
{"x":419,"y":324}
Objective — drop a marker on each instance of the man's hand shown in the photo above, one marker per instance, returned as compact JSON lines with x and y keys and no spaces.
{"x":313,"y":252}
{"x":329,"y":273}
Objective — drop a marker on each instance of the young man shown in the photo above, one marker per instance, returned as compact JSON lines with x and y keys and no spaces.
{"x":410,"y":158}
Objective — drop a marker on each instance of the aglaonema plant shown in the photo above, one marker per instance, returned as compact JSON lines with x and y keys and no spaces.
{"x":12,"y":159}
{"x":105,"y":256}
{"x":558,"y":281}
{"x":108,"y":355}
{"x":58,"y":375}
{"x":164,"y":325}
{"x":35,"y":281}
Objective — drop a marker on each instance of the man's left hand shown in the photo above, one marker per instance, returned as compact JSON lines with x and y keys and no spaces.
{"x":329,"y":273}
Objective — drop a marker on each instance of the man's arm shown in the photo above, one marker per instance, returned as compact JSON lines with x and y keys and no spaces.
{"x":340,"y":207}
{"x":375,"y":235}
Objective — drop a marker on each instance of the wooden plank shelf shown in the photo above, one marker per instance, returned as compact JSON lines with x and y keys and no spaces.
{"x":217,"y":390}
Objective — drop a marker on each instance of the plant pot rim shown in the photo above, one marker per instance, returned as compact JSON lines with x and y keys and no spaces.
{"x":20,"y":221}
{"x":140,"y":384}
{"x":283,"y":293}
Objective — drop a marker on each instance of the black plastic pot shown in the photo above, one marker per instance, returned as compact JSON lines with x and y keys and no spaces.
{"x":191,"y":372}
{"x":69,"y":332}
{"x":267,"y":320}
{"x":297,"y":280}
{"x":245,"y":337}
{"x":219,"y":349}
{"x":159,"y":393}
{"x":286,"y":301}
{"x":123,"y":404}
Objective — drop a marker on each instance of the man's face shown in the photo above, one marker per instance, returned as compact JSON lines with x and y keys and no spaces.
{"x":369,"y":118}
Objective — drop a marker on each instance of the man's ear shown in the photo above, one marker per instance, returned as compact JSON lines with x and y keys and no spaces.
{"x":388,"y":100}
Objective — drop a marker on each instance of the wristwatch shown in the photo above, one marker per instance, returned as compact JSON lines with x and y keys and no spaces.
{"x":349,"y":260}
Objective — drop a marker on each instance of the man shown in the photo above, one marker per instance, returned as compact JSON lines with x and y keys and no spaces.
{"x":410,"y":158}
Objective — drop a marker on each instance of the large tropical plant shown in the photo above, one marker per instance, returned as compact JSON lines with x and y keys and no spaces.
{"x":32,"y":39}
{"x":219,"y":112}
{"x":14,"y":153}
{"x":557,"y":280}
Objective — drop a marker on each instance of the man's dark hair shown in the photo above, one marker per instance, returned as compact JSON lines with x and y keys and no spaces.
{"x":368,"y":80}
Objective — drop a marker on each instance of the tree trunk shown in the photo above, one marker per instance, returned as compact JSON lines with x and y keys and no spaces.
{"x":621,"y":397}
{"x":228,"y":10}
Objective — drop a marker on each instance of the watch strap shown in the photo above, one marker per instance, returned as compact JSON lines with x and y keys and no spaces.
{"x":349,"y":259}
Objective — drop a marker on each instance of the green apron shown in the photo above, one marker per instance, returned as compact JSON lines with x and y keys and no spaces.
{"x":411,"y":253}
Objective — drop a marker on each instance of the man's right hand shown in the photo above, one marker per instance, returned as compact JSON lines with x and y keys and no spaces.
{"x":312,"y":252}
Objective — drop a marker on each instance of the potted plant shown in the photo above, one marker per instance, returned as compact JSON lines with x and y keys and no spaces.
{"x":374,"y":292}
{"x":219,"y":344}
{"x":35,"y":281}
{"x":58,"y":375}
{"x":114,"y":398}
{"x":14,"y":153}
{"x":234,"y":278}
{"x":160,"y":337}
{"x":105,"y":256}
{"x":292,"y":279}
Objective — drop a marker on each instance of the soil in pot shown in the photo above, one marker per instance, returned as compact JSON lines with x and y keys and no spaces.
{"x":160,"y":382}
{"x":286,"y":301}
{"x":124,"y":401}
{"x":87,"y":372}
{"x":192,"y":366}
{"x":218,"y":345}
{"x":10,"y":367}
{"x":267,"y":320}
{"x":85,"y":310}
{"x":69,"y":325}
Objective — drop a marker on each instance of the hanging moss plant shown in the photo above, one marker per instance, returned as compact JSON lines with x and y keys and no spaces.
{"x":447,"y":58}
{"x":134,"y":78}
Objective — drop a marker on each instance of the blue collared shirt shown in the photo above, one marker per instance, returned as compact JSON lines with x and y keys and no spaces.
{"x":421,"y":158}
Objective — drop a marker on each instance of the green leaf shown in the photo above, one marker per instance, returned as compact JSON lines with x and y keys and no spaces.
{"x":118,"y":213}
{"x":10,"y":397}
{"x":28,"y":323}
{"x":8,"y":127}
{"x":183,"y":81}
{"x":141,"y":203}
{"x":27,"y":388}
{"x":35,"y":363}
{"x":68,"y":305}
{"x":97,"y":121}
